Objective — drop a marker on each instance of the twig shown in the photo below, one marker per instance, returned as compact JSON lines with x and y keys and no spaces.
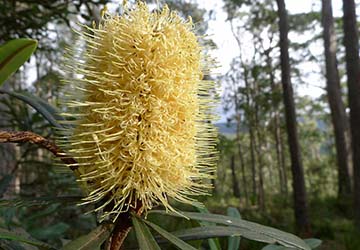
{"x":27,"y":136}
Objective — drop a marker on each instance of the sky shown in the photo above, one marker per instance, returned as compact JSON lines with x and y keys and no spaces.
{"x":221,"y":34}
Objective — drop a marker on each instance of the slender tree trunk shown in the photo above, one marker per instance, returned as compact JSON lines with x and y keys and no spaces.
{"x":242,"y":162}
{"x":277,"y":130}
{"x":258,"y":145}
{"x":351,"y":42}
{"x":300,"y":201}
{"x":261,"y":197}
{"x":336,"y":104}
{"x":250,"y":119}
{"x":253,"y":160}
{"x":236,"y":191}
{"x":248,"y":115}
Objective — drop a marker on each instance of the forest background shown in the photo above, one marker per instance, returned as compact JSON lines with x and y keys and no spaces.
{"x":289,"y":158}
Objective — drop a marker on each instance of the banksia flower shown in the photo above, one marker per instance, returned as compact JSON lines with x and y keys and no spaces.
{"x":141,"y":128}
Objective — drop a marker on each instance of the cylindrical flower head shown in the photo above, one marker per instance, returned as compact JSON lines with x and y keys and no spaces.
{"x":142,"y":130}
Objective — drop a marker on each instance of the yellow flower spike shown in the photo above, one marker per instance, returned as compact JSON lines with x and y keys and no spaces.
{"x":142,"y":130}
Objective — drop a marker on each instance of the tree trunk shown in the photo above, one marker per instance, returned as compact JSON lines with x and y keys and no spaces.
{"x":242,"y":162}
{"x":300,"y":202}
{"x":253,"y":160}
{"x":261,"y":196}
{"x":336,"y":104}
{"x":280,"y":158}
{"x":351,"y":43}
{"x":248,"y":116}
{"x":258,"y":145}
{"x":236,"y":191}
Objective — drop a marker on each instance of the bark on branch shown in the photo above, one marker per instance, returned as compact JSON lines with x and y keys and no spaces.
{"x":27,"y":136}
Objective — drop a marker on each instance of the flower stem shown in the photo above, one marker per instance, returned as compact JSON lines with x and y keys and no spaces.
{"x":123,"y":227}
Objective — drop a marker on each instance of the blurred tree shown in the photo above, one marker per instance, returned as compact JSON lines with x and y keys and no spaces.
{"x":300,"y":200}
{"x":351,"y":42}
{"x":337,"y":107}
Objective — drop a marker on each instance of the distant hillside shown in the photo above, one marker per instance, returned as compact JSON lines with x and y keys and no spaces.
{"x":226,"y":128}
{"x":229,"y":129}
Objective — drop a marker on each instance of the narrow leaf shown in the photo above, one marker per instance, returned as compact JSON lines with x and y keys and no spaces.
{"x":198,"y":233}
{"x":233,"y":241}
{"x":51,"y":232}
{"x":233,"y":212}
{"x":9,"y":235}
{"x":170,"y":237}
{"x":275,"y":235}
{"x":143,"y":235}
{"x":214,"y":243}
{"x":91,"y":241}
{"x":49,"y":112}
{"x":13,"y":54}
{"x":276,"y":247}
{"x":313,"y":243}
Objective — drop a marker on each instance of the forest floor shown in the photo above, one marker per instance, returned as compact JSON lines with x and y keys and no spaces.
{"x":330,"y":221}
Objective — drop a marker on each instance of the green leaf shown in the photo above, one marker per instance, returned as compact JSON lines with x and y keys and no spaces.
{"x":214,"y":243}
{"x":255,"y":231}
{"x":13,"y":54}
{"x":9,"y":235}
{"x":10,"y":245}
{"x":143,"y":235}
{"x":233,"y":212}
{"x":51,"y":232}
{"x":91,"y":241}
{"x":313,"y":243}
{"x":233,"y":241}
{"x":276,"y":247}
{"x":170,"y":237}
{"x":198,"y":233}
{"x":49,"y":112}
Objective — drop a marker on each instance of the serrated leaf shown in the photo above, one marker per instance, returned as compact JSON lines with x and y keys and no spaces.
{"x":170,"y":237}
{"x":145,"y":238}
{"x":13,"y":54}
{"x":268,"y":234}
{"x":10,"y":235}
{"x":49,"y":112}
{"x":233,"y":241}
{"x":313,"y":243}
{"x":91,"y":241}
